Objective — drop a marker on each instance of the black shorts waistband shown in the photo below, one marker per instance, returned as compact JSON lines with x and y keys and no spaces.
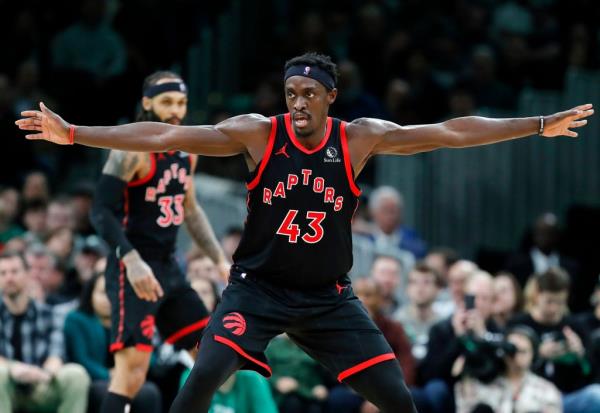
{"x":238,"y":272}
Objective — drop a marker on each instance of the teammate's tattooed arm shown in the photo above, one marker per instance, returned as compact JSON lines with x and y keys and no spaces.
{"x":200,"y":229}
{"x":120,"y":168}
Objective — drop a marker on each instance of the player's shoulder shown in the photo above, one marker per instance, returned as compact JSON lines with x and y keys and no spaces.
{"x":368,"y":128}
{"x":124,"y":164}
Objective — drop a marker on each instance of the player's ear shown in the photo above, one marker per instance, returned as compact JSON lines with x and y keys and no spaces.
{"x":146,"y":103}
{"x":332,"y":95}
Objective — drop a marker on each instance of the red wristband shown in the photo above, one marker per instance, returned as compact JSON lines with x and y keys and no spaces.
{"x":71,"y":134}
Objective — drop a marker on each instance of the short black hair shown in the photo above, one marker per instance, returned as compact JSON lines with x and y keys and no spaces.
{"x":554,"y":280}
{"x":322,"y":61}
{"x":6,"y":255}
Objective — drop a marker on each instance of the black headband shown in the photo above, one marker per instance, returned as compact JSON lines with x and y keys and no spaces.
{"x":177,"y":86}
{"x":313,"y":72}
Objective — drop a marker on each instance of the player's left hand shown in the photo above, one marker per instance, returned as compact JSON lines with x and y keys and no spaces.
{"x":561,"y":123}
{"x":51,"y":126}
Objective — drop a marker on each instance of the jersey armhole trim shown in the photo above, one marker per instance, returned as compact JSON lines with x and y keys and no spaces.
{"x":347,"y":161}
{"x":149,"y":175}
{"x":266,"y":156}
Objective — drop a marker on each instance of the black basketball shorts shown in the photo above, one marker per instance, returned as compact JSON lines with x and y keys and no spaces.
{"x":179,"y":315}
{"x":329,"y":323}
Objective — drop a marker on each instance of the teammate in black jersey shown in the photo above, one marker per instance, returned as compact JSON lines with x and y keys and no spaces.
{"x":140,"y":203}
{"x":289,"y":271}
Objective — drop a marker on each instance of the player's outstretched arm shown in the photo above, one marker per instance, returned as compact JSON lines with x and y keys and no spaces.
{"x":384,"y":137}
{"x":230,"y":137}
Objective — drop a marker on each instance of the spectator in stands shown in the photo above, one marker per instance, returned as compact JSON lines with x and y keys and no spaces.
{"x":32,"y":373}
{"x":543,"y":255}
{"x":354,"y":102}
{"x":453,"y":296}
{"x":47,"y":275}
{"x":201,"y":266}
{"x":342,"y":399}
{"x":230,"y":241}
{"x":418,"y":315}
{"x":588,"y":325}
{"x":298,"y":380}
{"x":60,"y":214}
{"x":81,"y":199}
{"x":9,"y":203}
{"x":508,"y":298}
{"x":87,"y":337}
{"x":445,"y":341}
{"x":518,"y":389}
{"x":34,"y":219}
{"x":441,"y":259}
{"x":35,"y":187}
{"x":60,"y":242}
{"x":90,"y":45}
{"x":562,"y":355}
{"x":208,"y":291}
{"x":386,"y":270}
{"x":386,"y":206}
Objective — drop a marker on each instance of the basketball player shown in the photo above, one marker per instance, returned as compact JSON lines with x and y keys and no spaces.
{"x":140,"y":202}
{"x":289,"y":272}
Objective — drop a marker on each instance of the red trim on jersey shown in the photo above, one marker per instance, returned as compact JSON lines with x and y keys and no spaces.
{"x":242,"y":353}
{"x":265,"y":159}
{"x":146,"y":348}
{"x":347,"y":161}
{"x":148,"y":176}
{"x":187,"y":330}
{"x":118,"y":344}
{"x":364,"y":365}
{"x":297,"y":144}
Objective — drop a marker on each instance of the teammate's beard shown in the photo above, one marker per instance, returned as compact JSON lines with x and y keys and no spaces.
{"x":150,"y":116}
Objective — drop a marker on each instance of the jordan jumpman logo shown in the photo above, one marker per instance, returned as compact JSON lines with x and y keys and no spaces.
{"x":283,"y":150}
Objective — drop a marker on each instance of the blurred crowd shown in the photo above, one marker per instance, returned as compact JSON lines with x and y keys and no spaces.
{"x":398,"y":60}
{"x":467,"y":340}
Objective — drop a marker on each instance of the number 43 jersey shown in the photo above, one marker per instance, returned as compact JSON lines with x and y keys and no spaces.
{"x":153,"y":208}
{"x":300,"y":207}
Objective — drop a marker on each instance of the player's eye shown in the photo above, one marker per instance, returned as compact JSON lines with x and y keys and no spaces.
{"x":290,"y":95}
{"x":310,"y":94}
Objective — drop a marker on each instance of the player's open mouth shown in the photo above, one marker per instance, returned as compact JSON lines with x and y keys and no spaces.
{"x":300,"y":121}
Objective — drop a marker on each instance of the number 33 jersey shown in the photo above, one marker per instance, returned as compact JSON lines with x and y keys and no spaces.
{"x":153,"y":208}
{"x":300,"y":207}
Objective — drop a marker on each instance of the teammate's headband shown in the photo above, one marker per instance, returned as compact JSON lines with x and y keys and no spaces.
{"x":313,"y":72}
{"x":154,"y":90}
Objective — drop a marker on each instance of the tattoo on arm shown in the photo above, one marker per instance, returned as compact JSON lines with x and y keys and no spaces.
{"x":202,"y":232}
{"x":123,"y":165}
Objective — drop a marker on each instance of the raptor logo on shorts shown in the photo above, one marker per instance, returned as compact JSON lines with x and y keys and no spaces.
{"x":235,"y":322}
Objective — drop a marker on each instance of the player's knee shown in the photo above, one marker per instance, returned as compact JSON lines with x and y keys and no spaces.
{"x":135,"y":379}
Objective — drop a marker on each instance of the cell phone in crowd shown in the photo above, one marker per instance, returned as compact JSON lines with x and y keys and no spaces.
{"x":469,"y":301}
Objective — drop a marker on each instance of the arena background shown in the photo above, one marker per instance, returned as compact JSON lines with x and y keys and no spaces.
{"x":408,"y":61}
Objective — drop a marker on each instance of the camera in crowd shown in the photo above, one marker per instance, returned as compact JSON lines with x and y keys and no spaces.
{"x":485,"y":357}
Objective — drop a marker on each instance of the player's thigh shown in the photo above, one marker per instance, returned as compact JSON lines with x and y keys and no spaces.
{"x":344,"y":339}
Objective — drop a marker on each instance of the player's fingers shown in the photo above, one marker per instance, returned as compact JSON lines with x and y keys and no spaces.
{"x":584,"y":114}
{"x":34,"y":136}
{"x":31,"y":113}
{"x":30,"y":127}
{"x":585,"y":106}
{"x":571,"y":134}
{"x":578,"y":123}
{"x":28,"y":121}
{"x":158,"y":289}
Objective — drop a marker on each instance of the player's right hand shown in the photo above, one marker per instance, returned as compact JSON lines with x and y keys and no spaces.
{"x":141,"y":277}
{"x":50,"y":126}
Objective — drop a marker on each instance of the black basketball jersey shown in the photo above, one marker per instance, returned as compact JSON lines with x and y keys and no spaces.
{"x":300,"y":207}
{"x":153,"y":208}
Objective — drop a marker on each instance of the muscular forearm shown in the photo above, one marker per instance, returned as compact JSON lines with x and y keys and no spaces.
{"x":475,"y":130}
{"x":139,"y":137}
{"x":202,"y":232}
